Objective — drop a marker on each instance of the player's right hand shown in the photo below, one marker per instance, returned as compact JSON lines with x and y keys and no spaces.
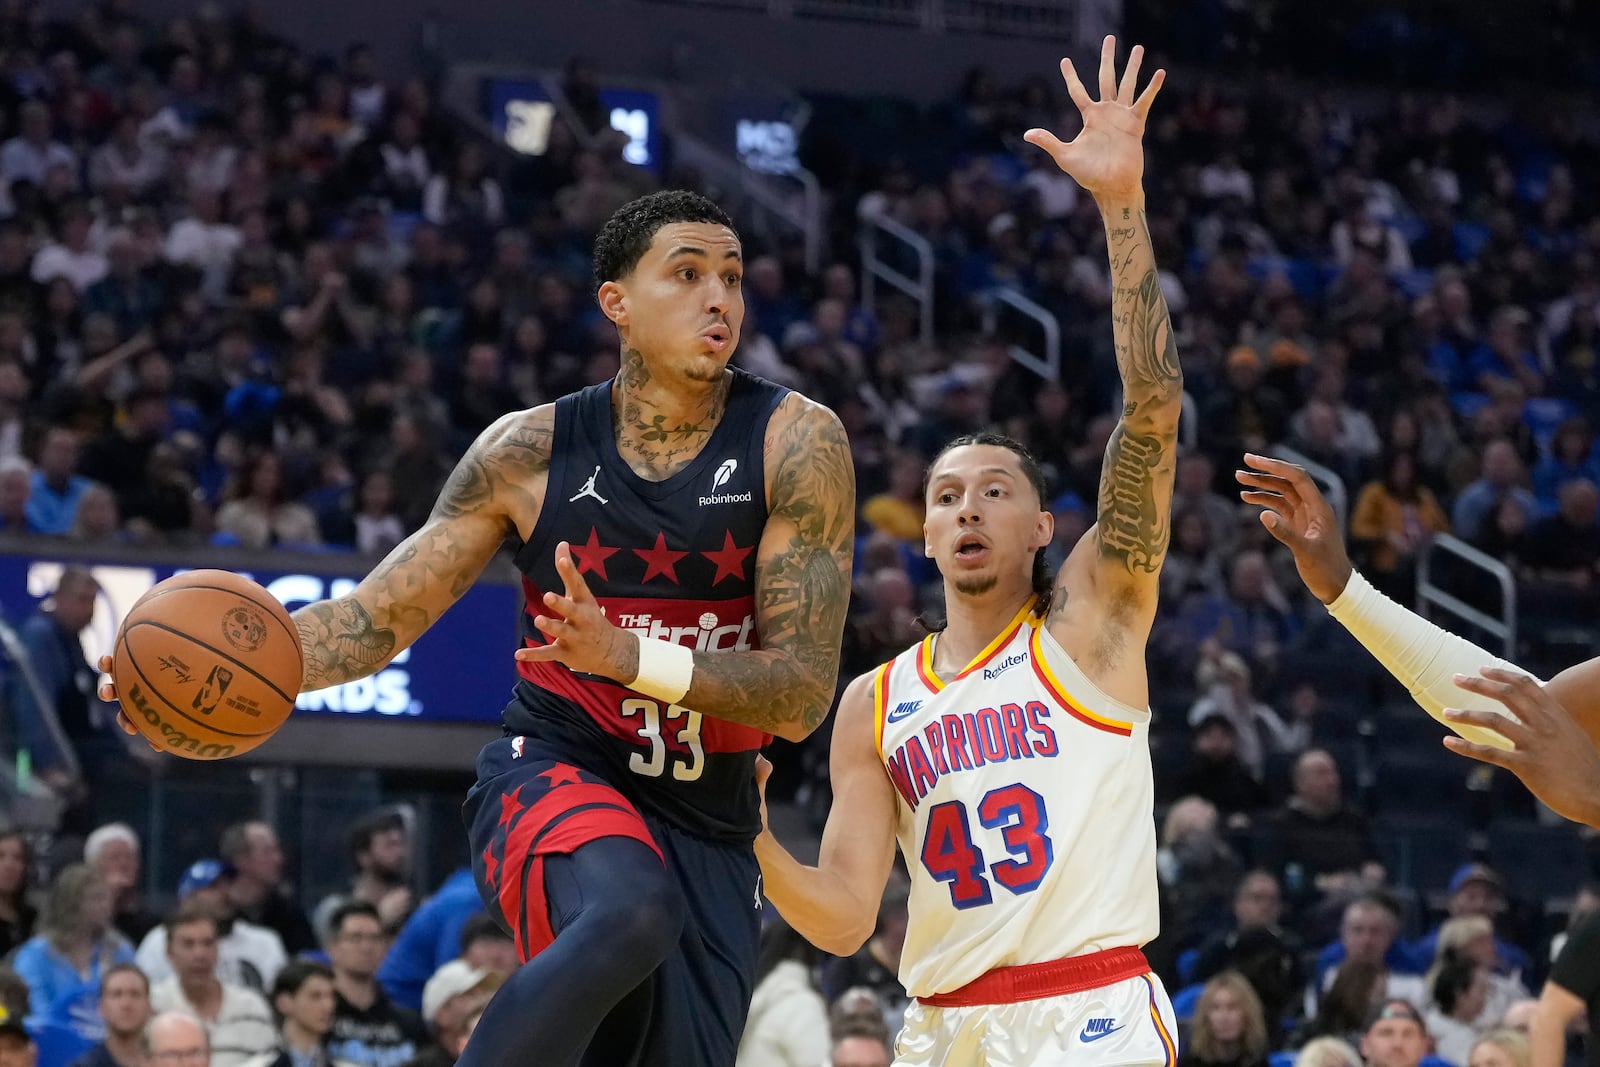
{"x":108,"y":693}
{"x":763,"y":772}
{"x":1298,"y":516}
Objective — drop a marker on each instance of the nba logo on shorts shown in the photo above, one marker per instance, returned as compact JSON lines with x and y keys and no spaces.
{"x":516,"y":746}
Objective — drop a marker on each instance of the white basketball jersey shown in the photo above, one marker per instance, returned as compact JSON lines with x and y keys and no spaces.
{"x":1025,"y":809}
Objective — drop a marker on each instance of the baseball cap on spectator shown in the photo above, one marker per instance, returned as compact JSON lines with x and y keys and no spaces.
{"x":202,"y":874}
{"x":1468,"y":873}
{"x":452,"y":980}
{"x":1393,"y":1009}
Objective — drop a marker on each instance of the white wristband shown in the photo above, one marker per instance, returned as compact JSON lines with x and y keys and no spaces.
{"x":665,"y":669}
{"x":1422,"y":657}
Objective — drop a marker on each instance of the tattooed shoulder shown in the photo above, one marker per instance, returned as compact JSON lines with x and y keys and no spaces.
{"x":504,"y":468}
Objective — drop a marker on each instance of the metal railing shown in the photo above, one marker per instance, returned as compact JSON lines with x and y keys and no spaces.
{"x":759,"y":193}
{"x":1052,"y":19}
{"x":1432,"y":596}
{"x":875,"y":269}
{"x":1047,"y":364}
{"x":1331,"y":484}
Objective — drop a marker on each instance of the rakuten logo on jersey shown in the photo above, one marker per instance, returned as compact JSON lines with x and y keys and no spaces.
{"x":386,"y":693}
{"x":708,"y":635}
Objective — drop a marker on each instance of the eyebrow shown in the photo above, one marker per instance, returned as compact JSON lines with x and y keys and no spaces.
{"x":985,"y":472}
{"x":691,"y":250}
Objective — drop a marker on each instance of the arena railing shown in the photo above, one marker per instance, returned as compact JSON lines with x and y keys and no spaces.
{"x":1045,"y":363}
{"x":874,"y":268}
{"x":1431,"y":596}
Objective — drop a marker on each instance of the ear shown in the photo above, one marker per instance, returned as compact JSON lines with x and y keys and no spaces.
{"x":1044,"y":531}
{"x":613,"y":301}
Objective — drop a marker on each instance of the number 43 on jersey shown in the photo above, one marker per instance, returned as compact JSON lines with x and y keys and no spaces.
{"x":950,"y":855}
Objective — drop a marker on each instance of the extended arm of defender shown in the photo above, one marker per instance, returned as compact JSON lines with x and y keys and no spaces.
{"x":357,"y":634}
{"x":834,"y":905}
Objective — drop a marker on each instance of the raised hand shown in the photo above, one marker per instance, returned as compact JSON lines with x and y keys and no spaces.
{"x":1107,"y":156}
{"x":579,"y":633}
{"x":1298,"y":516}
{"x":1553,"y":756}
{"x":108,"y":693}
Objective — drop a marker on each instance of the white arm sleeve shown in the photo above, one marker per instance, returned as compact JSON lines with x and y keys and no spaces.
{"x":1421,"y":656}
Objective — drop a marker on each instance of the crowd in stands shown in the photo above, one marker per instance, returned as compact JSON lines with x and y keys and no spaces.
{"x":251,"y":296}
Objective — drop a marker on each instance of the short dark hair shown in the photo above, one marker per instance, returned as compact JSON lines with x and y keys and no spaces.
{"x":627,"y":234}
{"x":189,"y":913}
{"x":294,"y":976}
{"x":358,"y":838}
{"x":344,"y":911}
{"x":1043,"y":581}
{"x":123,"y":968}
{"x":482,"y":927}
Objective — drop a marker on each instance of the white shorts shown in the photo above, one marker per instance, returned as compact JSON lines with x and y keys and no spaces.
{"x":1126,"y":1024}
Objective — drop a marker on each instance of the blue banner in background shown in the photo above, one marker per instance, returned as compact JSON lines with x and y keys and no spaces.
{"x":461,"y":670}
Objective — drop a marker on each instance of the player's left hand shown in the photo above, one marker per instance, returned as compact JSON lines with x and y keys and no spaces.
{"x":1107,"y":156}
{"x":763,"y":772}
{"x":1553,"y":757}
{"x":579,"y":633}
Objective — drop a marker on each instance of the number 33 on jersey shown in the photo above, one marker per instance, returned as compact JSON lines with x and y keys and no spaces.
{"x":1016,"y":779}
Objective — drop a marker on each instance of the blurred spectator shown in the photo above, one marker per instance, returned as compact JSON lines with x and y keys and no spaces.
{"x":237,"y":1021}
{"x":33,"y":154}
{"x":16,"y":1044}
{"x":1317,"y":844}
{"x":1476,"y":891}
{"x":17,"y":913}
{"x":1258,"y":948}
{"x":1561,"y":553}
{"x":430,"y":938}
{"x":1572,"y":457}
{"x":1367,"y":935}
{"x":487,"y":946}
{"x":855,"y":1049}
{"x":1327,"y":1052}
{"x":1501,"y":481}
{"x":57,"y":486}
{"x":257,"y":892}
{"x":125,"y":1009}
{"x":14,"y":994}
{"x":1395,"y":518}
{"x":1505,"y":1047}
{"x":1197,"y":869}
{"x":1193,"y":566}
{"x":453,"y":997}
{"x":75,"y":946}
{"x":176,"y":1036}
{"x":379,"y":847}
{"x":71,"y":256}
{"x":368,"y":1030}
{"x":259,"y":513}
{"x":302,"y":997}
{"x":1228,"y":1029}
{"x":1215,"y":773}
{"x":1458,"y":991}
{"x":898,"y":511}
{"x":1395,"y":1035}
{"x":1224,"y":680}
{"x":248,"y":956}
{"x":788,"y":1021}
{"x":113,"y":850}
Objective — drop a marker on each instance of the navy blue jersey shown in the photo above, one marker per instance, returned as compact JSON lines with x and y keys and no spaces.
{"x":673,"y":560}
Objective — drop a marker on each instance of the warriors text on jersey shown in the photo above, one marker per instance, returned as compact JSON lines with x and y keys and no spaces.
{"x":673,"y":560}
{"x":1024,"y":808}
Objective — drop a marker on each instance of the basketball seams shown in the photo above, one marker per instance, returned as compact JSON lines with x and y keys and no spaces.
{"x":231,"y":657}
{"x":150,"y":686}
{"x":271,"y":609}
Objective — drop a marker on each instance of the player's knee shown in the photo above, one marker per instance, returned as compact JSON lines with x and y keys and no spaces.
{"x":644,"y":916}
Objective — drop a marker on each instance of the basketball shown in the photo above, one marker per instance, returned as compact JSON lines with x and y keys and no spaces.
{"x":207,"y":665}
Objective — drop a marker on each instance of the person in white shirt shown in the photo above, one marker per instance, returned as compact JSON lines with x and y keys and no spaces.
{"x":237,"y":1021}
{"x":204,"y":241}
{"x":72,"y":256}
{"x":249,"y":956}
{"x":31,"y":155}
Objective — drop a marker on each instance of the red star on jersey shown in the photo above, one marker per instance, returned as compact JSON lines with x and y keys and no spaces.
{"x":510,"y":805}
{"x":729,"y":558}
{"x":660,"y":560}
{"x":561,"y":774}
{"x":490,"y":867}
{"x":593,"y":555}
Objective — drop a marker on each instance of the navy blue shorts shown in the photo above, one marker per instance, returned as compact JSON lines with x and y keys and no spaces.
{"x":535,"y":799}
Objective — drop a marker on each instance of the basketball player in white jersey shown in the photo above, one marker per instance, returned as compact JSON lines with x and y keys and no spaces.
{"x":1008,"y":751}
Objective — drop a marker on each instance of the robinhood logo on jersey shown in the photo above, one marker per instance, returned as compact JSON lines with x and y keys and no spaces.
{"x":708,"y":636}
{"x":721,"y":478}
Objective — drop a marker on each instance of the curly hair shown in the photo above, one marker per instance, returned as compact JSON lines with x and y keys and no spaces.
{"x":627,"y":234}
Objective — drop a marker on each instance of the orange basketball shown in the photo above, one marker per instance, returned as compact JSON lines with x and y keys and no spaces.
{"x":207,"y":665}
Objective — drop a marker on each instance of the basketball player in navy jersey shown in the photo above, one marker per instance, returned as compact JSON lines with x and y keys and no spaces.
{"x":685,"y":536}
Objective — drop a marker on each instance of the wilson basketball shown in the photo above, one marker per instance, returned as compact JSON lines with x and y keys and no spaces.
{"x":207,"y":665}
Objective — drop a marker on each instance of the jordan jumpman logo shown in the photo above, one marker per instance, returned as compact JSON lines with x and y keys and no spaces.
{"x":589,"y":490}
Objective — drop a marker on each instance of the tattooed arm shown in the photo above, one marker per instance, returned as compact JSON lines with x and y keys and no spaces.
{"x":493,"y":493}
{"x":802,"y":583}
{"x":1131,"y":531}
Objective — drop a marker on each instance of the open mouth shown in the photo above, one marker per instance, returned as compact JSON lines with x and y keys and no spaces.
{"x":716,"y":337}
{"x":971,"y":547}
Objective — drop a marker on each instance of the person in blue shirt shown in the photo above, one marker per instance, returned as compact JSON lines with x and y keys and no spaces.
{"x":63,"y":964}
{"x":1476,"y":889}
{"x":57,"y":486}
{"x":430,"y":939}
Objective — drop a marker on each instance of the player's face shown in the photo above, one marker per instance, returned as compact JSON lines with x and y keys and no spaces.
{"x":682,"y":305}
{"x":984,"y":522}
